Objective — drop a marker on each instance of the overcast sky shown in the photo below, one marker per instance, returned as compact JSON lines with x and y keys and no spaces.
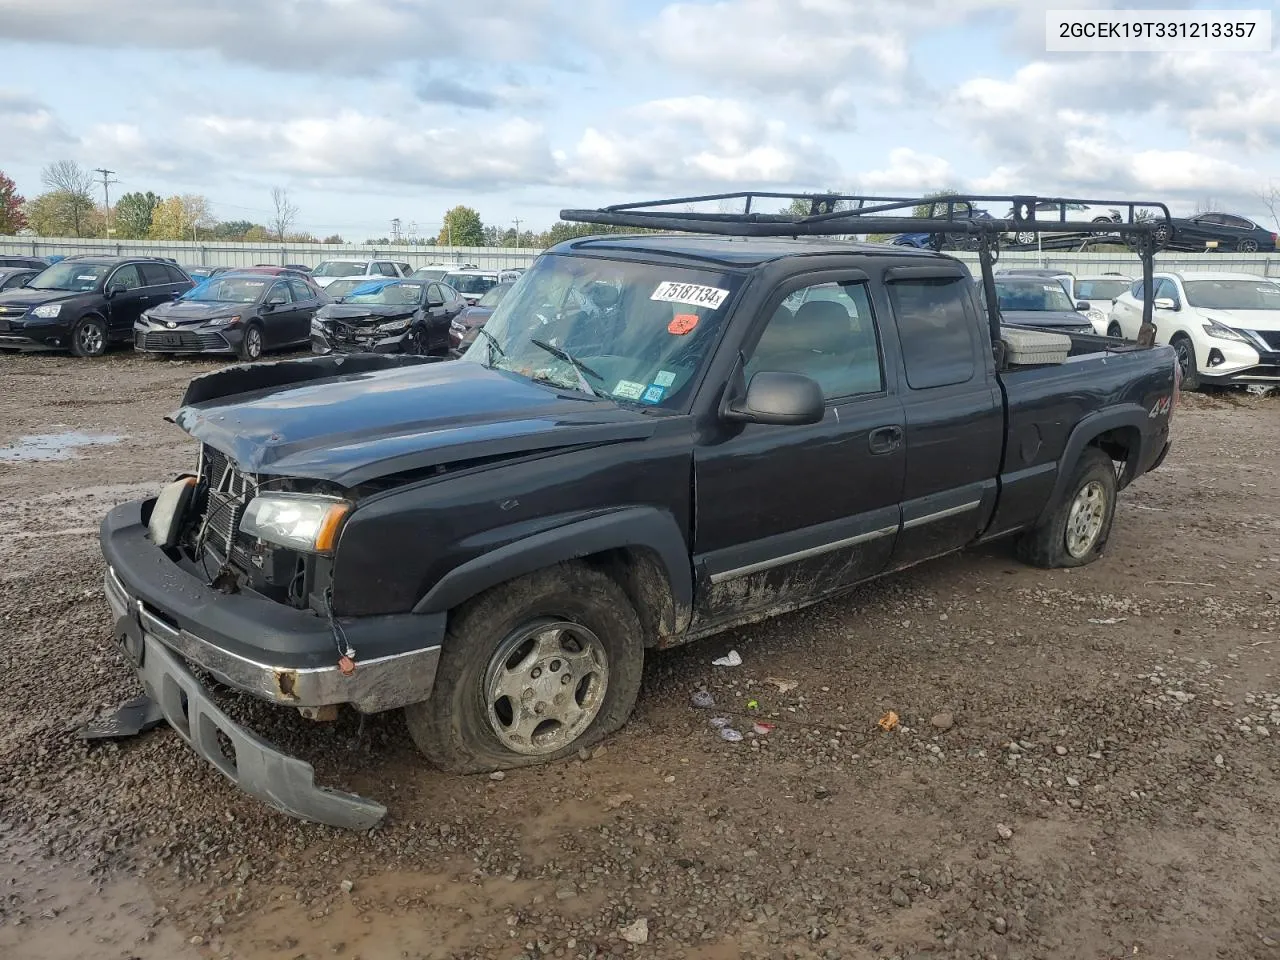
{"x":373,"y":109}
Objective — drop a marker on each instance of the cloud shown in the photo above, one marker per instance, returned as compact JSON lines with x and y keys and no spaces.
{"x":696,"y":141}
{"x":28,"y":127}
{"x":908,"y":171}
{"x":433,"y":89}
{"x":359,"y":37}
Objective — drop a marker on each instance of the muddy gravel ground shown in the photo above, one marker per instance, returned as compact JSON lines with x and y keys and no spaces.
{"x":1085,"y":763}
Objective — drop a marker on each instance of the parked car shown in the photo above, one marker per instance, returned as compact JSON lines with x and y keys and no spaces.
{"x":494,"y":543}
{"x":239,"y":313}
{"x":327,"y":271}
{"x":274,"y":271}
{"x":472,"y":283}
{"x":84,"y":304}
{"x":389,"y":316}
{"x":296,"y":267}
{"x":1219,"y":232}
{"x":1039,"y":302}
{"x":11,"y":278}
{"x":468,"y":324}
{"x":1049,"y":210}
{"x":1225,"y":327}
{"x":950,"y":241}
{"x":432,"y":271}
{"x":31,"y":263}
{"x":201,"y":272}
{"x":1096,"y":290}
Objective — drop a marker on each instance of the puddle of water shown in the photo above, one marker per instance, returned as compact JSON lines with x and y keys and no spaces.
{"x":53,"y":446}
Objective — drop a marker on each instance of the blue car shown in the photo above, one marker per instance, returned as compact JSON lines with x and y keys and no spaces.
{"x":950,"y":241}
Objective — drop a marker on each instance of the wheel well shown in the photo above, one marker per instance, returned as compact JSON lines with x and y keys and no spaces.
{"x":640,"y":573}
{"x":1118,"y":444}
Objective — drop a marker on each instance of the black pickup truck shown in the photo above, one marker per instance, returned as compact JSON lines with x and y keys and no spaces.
{"x":656,"y":438}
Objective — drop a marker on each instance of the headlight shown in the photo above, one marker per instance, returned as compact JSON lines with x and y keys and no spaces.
{"x":1096,"y":315}
{"x":47,"y":310}
{"x":1222,"y":332}
{"x":317,"y":326}
{"x":221,"y":321}
{"x":394,"y":326}
{"x":296,"y":520}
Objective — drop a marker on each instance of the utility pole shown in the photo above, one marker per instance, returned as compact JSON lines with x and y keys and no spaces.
{"x":395,"y":230}
{"x":106,"y":193}
{"x":517,"y":223}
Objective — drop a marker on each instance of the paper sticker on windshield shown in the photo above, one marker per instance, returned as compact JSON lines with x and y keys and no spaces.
{"x":87,"y":277}
{"x":255,"y":283}
{"x":691,"y":293}
{"x":628,"y":390}
{"x":682,"y":323}
{"x":665,"y":378}
{"x":653,"y":394}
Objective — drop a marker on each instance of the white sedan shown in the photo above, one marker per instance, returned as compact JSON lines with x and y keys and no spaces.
{"x":1225,"y":327}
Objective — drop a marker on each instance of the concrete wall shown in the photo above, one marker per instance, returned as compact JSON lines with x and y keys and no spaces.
{"x":246,"y":254}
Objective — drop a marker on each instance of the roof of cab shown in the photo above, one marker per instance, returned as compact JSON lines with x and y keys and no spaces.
{"x":731,"y":251}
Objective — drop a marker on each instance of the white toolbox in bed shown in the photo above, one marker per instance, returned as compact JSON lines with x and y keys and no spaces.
{"x":1024,"y":348}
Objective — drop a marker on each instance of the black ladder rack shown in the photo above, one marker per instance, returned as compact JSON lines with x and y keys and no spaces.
{"x":841,"y":214}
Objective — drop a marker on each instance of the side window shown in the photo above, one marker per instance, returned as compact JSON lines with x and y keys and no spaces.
{"x":386,"y":269}
{"x":1214,"y":218}
{"x":279,"y":293}
{"x":175,"y":275}
{"x":153,"y":274}
{"x":1137,"y":290}
{"x":447,"y":292}
{"x":935,"y":331}
{"x":127,"y":275}
{"x":1165,"y":288}
{"x":435,"y":294}
{"x":404,"y":268}
{"x":299,"y":290}
{"x":1239,"y":222}
{"x":829,"y":336}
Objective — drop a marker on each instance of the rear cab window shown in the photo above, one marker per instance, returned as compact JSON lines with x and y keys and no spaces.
{"x":935,"y":330}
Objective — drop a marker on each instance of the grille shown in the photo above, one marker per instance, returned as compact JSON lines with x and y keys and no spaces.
{"x":179,"y":340}
{"x":1270,"y":337}
{"x":229,"y":493}
{"x":10,"y":313}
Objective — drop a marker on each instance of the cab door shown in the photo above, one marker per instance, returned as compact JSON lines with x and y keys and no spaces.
{"x":127,"y":298}
{"x":787,"y":514}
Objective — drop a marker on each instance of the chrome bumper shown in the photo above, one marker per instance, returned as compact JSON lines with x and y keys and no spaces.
{"x":379,"y":684}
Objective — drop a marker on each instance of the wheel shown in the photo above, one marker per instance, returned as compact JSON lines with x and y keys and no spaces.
{"x":1247,"y":246}
{"x":1103,"y":220}
{"x":1162,"y":235}
{"x":89,"y":337}
{"x":1113,"y":330}
{"x":250,"y":348}
{"x":1079,"y":525}
{"x":532,"y":670}
{"x":1186,"y":352}
{"x":1024,"y":237}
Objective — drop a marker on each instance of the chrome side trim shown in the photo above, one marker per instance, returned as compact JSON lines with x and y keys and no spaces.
{"x":941,"y":514}
{"x":802,"y":554}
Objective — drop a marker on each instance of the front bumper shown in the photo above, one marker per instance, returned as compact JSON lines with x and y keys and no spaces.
{"x":283,"y":782}
{"x":220,"y":340}
{"x":28,"y":335}
{"x":323,"y":343}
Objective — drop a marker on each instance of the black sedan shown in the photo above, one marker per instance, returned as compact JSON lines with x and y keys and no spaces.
{"x":1040,"y":303}
{"x":1215,"y":231}
{"x":389,"y":316}
{"x":472,"y":320}
{"x":245,"y":314}
{"x":11,"y":278}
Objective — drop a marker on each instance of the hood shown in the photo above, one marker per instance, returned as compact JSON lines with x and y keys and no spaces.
{"x":360,"y":312}
{"x":353,"y":427}
{"x":1268,"y":320}
{"x":26,"y":297}
{"x":187,"y":312}
{"x":1047,"y":319}
{"x":475,"y":316}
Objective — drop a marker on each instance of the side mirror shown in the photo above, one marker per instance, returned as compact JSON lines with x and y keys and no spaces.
{"x":116,"y":289}
{"x":432,"y":303}
{"x":1164,"y":303}
{"x":1082,"y":306}
{"x":773,"y":397}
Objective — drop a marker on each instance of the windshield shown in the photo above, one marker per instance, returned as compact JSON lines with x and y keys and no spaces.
{"x":428,"y":273}
{"x":1230,"y":294}
{"x":224,"y":289}
{"x":639,"y":332}
{"x":1037,"y":295}
{"x":495,"y":295}
{"x":1101,"y":289}
{"x":340,"y":288}
{"x":390,"y":294}
{"x":471,"y":283}
{"x":338,"y":268}
{"x":70,"y":275}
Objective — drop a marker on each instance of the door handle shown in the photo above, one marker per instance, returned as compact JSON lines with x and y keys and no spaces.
{"x":885,"y":439}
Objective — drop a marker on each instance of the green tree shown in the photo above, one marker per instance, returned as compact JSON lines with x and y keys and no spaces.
{"x":333,"y":238}
{"x":12,"y":219}
{"x":70,"y":184}
{"x":257,"y":234}
{"x":133,"y":215}
{"x":233,"y":229}
{"x":181,"y":218}
{"x":462,"y":228}
{"x":925,"y":209}
{"x":803,"y":206}
{"x":48,"y":215}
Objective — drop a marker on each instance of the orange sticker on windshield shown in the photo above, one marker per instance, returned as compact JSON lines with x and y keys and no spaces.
{"x":682,"y":323}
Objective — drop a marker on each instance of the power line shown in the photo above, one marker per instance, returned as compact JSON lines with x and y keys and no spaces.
{"x":106,"y":193}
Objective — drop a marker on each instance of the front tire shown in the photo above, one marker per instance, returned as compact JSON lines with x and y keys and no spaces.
{"x":1077,"y":530}
{"x":250,"y":348}
{"x":531,"y":671}
{"x":89,"y":337}
{"x":1113,"y":330}
{"x":1186,"y":352}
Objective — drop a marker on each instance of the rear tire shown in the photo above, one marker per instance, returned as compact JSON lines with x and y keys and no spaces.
{"x":1114,"y":331}
{"x":1247,"y":246}
{"x":1076,"y":532}
{"x":1186,"y":352}
{"x":564,"y":632}
{"x":89,"y":337}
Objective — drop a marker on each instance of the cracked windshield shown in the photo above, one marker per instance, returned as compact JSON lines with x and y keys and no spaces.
{"x":634,"y":332}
